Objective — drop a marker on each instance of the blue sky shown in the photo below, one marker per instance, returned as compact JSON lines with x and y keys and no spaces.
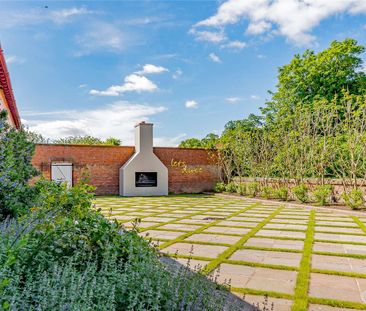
{"x":97,"y":68}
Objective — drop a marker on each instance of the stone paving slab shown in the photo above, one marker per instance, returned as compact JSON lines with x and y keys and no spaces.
{"x":279,"y":304}
{"x":282,"y":234}
{"x":270,"y":253}
{"x":237,"y":223}
{"x":336,"y":229}
{"x":336,"y":263}
{"x":214,"y":238}
{"x":194,"y":221}
{"x":337,"y":287}
{"x":180,"y":227}
{"x":340,"y":248}
{"x":169,"y":235}
{"x":340,"y":237}
{"x":208,"y":251}
{"x":268,"y":257}
{"x":333,"y":223}
{"x":285,"y":226}
{"x":290,"y":221}
{"x":275,"y":243}
{"x":159,"y":219}
{"x":227,"y":230}
{"x":258,"y":278}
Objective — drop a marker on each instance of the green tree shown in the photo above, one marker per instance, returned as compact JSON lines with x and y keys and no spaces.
{"x":210,"y":141}
{"x":112,"y":141}
{"x":191,"y":143}
{"x":87,"y":140}
{"x":37,"y":138}
{"x":313,"y":76}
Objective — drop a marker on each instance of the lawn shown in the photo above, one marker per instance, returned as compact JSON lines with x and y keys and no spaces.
{"x":303,"y":259}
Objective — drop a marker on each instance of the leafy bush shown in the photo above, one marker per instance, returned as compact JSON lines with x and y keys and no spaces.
{"x":241,"y":189}
{"x":301,"y":193}
{"x":252,"y":189}
{"x":322,"y":194}
{"x":15,"y":170}
{"x":281,"y":193}
{"x":354,"y":199}
{"x":63,"y":256}
{"x":267,"y":192}
{"x":219,"y":187}
{"x":231,"y":187}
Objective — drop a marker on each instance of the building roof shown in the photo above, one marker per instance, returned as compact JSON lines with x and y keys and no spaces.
{"x":5,"y":84}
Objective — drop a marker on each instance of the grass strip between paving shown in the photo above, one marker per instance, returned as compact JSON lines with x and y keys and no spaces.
{"x":303,"y":276}
{"x":337,"y":303}
{"x":228,"y":252}
{"x":204,"y":227}
{"x":359,"y":223}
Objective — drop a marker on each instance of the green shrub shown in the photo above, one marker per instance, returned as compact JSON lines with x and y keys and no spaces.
{"x":15,"y":170}
{"x":231,"y":187}
{"x":301,"y":193}
{"x":354,"y":199}
{"x":241,"y":189}
{"x":219,"y":187}
{"x":72,"y":258}
{"x":267,"y":192}
{"x":253,"y":189}
{"x":322,"y":194}
{"x":281,"y":193}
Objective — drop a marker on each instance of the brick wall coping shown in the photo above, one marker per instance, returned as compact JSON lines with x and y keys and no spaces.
{"x":111,"y":146}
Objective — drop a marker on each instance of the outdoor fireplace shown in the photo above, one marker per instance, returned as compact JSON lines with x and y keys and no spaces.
{"x":146,"y":179}
{"x":143,"y":174}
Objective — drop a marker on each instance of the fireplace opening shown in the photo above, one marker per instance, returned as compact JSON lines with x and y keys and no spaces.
{"x":146,"y":179}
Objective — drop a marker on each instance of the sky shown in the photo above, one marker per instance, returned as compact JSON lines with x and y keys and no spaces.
{"x":99,"y":67}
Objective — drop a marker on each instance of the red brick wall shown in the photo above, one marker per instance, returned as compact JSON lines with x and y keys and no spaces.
{"x":102,"y":163}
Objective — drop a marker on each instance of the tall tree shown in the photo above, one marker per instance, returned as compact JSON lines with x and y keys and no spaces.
{"x":315,"y":76}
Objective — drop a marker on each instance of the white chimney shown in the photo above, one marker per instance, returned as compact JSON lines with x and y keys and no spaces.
{"x":144,"y":137}
{"x":143,"y":174}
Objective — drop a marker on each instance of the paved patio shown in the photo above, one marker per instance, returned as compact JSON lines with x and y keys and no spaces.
{"x":295,"y":255}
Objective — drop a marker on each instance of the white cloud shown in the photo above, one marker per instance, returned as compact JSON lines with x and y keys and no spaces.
{"x":191,"y":104}
{"x":102,"y":37}
{"x":261,"y":56}
{"x":132,"y":83}
{"x":21,"y":18}
{"x":255,"y":97}
{"x":177,"y":74}
{"x":64,"y":15}
{"x":214,"y":58}
{"x":210,"y":36}
{"x":233,"y":99}
{"x":150,"y":69}
{"x":115,"y":120}
{"x":236,"y":44}
{"x":256,"y":28}
{"x":12,"y":59}
{"x":81,"y":86}
{"x":293,"y":19}
{"x":169,"y":141}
